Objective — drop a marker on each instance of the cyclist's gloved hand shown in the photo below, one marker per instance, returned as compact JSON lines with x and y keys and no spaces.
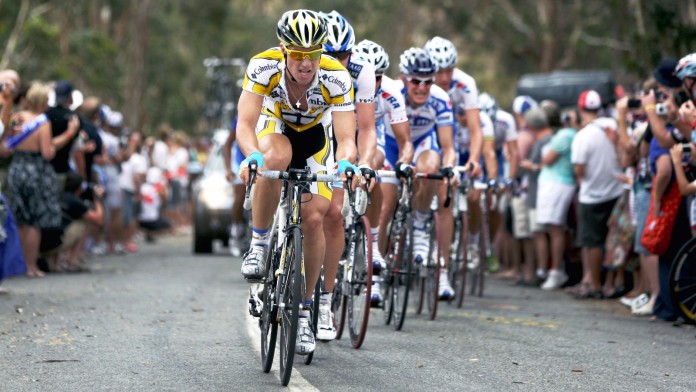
{"x":447,"y":171}
{"x":345,"y":166}
{"x":492,"y":183}
{"x":255,"y":157}
{"x":368,"y":175}
{"x":403,"y":170}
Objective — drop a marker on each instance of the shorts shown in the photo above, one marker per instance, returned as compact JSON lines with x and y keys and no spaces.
{"x":380,"y":127}
{"x":500,"y":157}
{"x":73,"y":233}
{"x":177,"y":196}
{"x":426,"y":142}
{"x":593,"y":219}
{"x":524,"y":219}
{"x":553,"y":202}
{"x":310,"y":148}
{"x":642,"y":196}
{"x":113,"y":189}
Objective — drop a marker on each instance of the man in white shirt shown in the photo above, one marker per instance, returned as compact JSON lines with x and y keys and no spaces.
{"x":596,"y":168}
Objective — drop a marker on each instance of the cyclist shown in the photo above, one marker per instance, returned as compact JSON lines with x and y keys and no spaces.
{"x":505,"y":147}
{"x":491,"y":165}
{"x":340,"y":42}
{"x":430,"y":117}
{"x":389,"y":107}
{"x":233,"y":157}
{"x":293,"y":97}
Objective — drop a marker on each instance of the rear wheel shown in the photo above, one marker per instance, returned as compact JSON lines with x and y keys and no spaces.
{"x":458,"y":267}
{"x":403,"y":268}
{"x":338,"y":301}
{"x":290,"y":298}
{"x":432,"y":268}
{"x":682,"y":281}
{"x":359,"y":298}
{"x":269,"y":311}
{"x":314,"y":316}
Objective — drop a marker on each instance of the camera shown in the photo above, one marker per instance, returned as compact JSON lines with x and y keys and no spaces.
{"x":634,"y":103}
{"x":661,"y":109}
{"x":686,"y":148}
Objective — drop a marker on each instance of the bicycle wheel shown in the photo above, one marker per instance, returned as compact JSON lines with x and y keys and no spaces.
{"x":290,"y":299}
{"x":315,"y":316}
{"x":268,"y":322}
{"x":682,"y":281}
{"x":457,"y":265}
{"x":431,"y":280}
{"x":483,"y":256}
{"x":403,"y":268}
{"x":338,"y":301}
{"x":393,"y":248}
{"x":360,"y":298}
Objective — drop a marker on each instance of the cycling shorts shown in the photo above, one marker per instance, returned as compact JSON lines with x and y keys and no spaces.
{"x":310,"y":148}
{"x":426,"y":142}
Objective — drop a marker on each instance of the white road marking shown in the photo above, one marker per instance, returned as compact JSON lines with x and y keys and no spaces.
{"x":297,"y":382}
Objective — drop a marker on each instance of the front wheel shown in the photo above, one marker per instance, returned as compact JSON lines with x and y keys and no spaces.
{"x":290,"y":299}
{"x":359,"y":297}
{"x":403,"y":268}
{"x":269,"y":311}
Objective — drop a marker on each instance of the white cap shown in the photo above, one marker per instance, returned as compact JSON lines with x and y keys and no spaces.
{"x":590,"y":100}
{"x":523,"y":103}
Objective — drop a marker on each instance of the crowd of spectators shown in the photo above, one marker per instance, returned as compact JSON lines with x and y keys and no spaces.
{"x":75,"y":182}
{"x":604,"y":197}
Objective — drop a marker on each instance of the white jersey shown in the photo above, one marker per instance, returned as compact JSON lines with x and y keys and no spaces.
{"x":390,"y":105}
{"x":505,"y":128}
{"x":463,"y":89}
{"x":463,"y":137}
{"x":435,"y":112}
{"x":363,"y":74}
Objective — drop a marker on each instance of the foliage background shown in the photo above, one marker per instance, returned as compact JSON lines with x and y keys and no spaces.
{"x":144,"y":57}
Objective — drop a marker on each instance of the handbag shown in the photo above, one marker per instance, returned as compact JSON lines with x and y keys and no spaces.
{"x":658,"y":230}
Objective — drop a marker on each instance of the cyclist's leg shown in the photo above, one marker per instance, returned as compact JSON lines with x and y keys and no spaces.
{"x":237,"y":225}
{"x":388,"y":187}
{"x":427,"y":161}
{"x":335,"y":242}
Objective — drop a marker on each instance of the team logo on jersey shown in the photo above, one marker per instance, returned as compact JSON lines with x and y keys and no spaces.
{"x":335,"y":80}
{"x":354,"y":70}
{"x":461,"y":86}
{"x":263,"y":68}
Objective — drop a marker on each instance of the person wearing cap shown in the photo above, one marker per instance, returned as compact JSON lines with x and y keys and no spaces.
{"x":65,"y":126}
{"x":596,"y":168}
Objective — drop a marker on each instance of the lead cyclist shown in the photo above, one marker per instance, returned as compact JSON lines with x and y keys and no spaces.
{"x":293,"y":97}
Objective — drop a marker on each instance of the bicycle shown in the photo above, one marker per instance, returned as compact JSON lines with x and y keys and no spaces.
{"x":477,"y":277}
{"x":682,"y":281}
{"x":284,"y":286}
{"x":353,"y":287}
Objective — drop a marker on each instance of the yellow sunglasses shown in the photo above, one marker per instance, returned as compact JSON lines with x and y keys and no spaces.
{"x":300,"y":55}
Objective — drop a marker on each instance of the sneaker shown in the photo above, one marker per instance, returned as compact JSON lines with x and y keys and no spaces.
{"x":253,"y":264}
{"x":119,"y":250}
{"x":645,"y":310}
{"x":305,"y":343}
{"x":421,"y":242}
{"x":378,"y":263}
{"x":473,"y":254}
{"x":445,"y":290}
{"x":626,"y":301}
{"x":326,"y":330}
{"x":640,"y":301}
{"x":376,"y":295}
{"x":542,"y":274}
{"x":555,"y":280}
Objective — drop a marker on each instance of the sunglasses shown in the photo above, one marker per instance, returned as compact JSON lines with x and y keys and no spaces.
{"x":300,"y":55}
{"x":420,"y":82}
{"x":341,"y":55}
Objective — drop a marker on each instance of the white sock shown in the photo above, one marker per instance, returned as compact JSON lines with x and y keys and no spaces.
{"x":419,"y":219}
{"x":474,"y":238}
{"x":259,"y":237}
{"x":375,"y":239}
{"x":326,"y":298}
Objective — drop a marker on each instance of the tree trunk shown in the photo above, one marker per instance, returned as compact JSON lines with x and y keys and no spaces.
{"x":136,"y":84}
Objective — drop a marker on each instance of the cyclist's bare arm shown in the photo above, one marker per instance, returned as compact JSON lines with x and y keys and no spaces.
{"x":402,"y":134}
{"x":445,"y":137}
{"x":367,"y":135}
{"x":489,"y":158}
{"x":227,"y":154}
{"x":344,"y":130}
{"x":249,"y":110}
{"x":475,"y":134}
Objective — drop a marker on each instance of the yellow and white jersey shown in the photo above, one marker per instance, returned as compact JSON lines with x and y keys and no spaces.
{"x":331,"y":90}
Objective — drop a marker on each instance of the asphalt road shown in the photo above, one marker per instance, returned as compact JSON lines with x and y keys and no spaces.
{"x":164,"y":320}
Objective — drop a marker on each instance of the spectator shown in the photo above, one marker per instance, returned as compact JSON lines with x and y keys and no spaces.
{"x":596,"y":169}
{"x":9,"y":86}
{"x":111,"y":158}
{"x":177,"y":163}
{"x":89,"y":114}
{"x":556,"y":191}
{"x":31,"y":178}
{"x":152,"y":193}
{"x":11,"y":257}
{"x":63,"y":135}
{"x":537,"y":122}
{"x":77,"y":217}
{"x":133,"y":170}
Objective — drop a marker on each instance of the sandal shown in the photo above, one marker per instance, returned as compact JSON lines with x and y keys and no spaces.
{"x":587,"y":293}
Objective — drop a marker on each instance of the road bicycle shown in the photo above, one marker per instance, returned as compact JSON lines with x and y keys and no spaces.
{"x":353,"y":286}
{"x":284,"y":288}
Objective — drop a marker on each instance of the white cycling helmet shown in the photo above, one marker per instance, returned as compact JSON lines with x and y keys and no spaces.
{"x":374,"y":54}
{"x":523,"y":103}
{"x":686,"y":68}
{"x":340,"y":37}
{"x":488,"y":105}
{"x":442,"y":51}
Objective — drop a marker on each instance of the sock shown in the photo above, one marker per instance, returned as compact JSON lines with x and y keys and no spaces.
{"x":419,"y":219}
{"x":237,"y":230}
{"x":375,"y":239}
{"x":326,"y":298}
{"x":305,"y":312}
{"x":259,"y":237}
{"x":474,"y":238}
